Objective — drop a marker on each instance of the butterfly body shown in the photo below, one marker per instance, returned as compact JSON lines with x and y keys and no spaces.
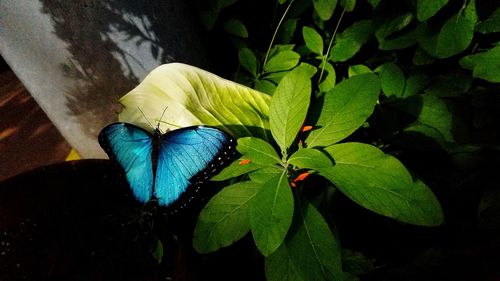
{"x":164,"y":167}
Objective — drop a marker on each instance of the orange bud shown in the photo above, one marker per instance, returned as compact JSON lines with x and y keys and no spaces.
{"x":301,"y":177}
{"x":306,"y":128}
{"x":244,"y":162}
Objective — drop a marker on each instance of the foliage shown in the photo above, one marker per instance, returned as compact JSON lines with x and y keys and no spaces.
{"x":375,"y":81}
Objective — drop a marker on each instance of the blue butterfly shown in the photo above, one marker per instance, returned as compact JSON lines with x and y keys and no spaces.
{"x":163,"y":167}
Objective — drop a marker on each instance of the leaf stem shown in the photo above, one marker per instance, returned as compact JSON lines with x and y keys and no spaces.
{"x":274,"y":35}
{"x":325,"y":57}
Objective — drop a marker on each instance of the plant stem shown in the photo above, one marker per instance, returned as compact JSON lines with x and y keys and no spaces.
{"x":275,"y":33}
{"x":325,"y":57}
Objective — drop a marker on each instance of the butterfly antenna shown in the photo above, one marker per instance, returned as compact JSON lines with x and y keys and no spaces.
{"x":146,"y":118}
{"x":168,"y":123}
{"x":161,"y":117}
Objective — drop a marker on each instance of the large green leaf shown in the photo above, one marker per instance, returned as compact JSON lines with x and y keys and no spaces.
{"x":271,"y":214}
{"x":345,"y":109}
{"x":309,"y":158}
{"x":289,"y":107}
{"x":324,"y":8}
{"x":313,"y":249}
{"x":192,"y":96}
{"x":350,"y":41}
{"x":224,"y":219}
{"x":265,"y":174}
{"x":454,"y":37}
{"x":428,"y":8}
{"x":257,"y":151}
{"x":279,"y":266}
{"x":484,"y":65}
{"x":236,"y":169}
{"x":379,"y":182}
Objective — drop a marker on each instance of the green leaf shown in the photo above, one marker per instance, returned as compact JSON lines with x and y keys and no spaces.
{"x":350,"y":41}
{"x":415,"y":84}
{"x":428,"y":8}
{"x":454,"y":37}
{"x":356,"y":263}
{"x":374,"y":3}
{"x":224,"y":220}
{"x":393,"y":25}
{"x":276,"y":77}
{"x":358,"y":69}
{"x":449,"y":85}
{"x":265,"y":174}
{"x":193,"y":96}
{"x":313,"y":39}
{"x":287,"y":30}
{"x":236,"y":169}
{"x":248,"y":61}
{"x":236,"y":27}
{"x":265,"y":86}
{"x":348,"y":5}
{"x":392,"y":80}
{"x":491,"y":24}
{"x":279,"y":266}
{"x":289,"y":107}
{"x":324,"y":8}
{"x":309,"y":158}
{"x":313,"y":249}
{"x":484,"y":65}
{"x":208,"y":18}
{"x":280,"y":48}
{"x":283,"y":60}
{"x":271,"y":214}
{"x":399,"y":42}
{"x":422,"y":137}
{"x":422,"y":58}
{"x":329,"y":82}
{"x":307,"y":69}
{"x":380,"y":183}
{"x":431,"y":111}
{"x":345,"y":109}
{"x":257,"y":151}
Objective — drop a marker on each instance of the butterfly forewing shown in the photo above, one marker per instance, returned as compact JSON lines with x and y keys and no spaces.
{"x":184,"y":154}
{"x":131,"y":147}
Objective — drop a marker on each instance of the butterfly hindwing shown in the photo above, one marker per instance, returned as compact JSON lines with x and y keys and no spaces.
{"x":131,"y":147}
{"x":184,"y":154}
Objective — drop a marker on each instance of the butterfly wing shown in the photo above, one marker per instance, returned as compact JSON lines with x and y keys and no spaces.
{"x":186,"y":153}
{"x":131,"y":147}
